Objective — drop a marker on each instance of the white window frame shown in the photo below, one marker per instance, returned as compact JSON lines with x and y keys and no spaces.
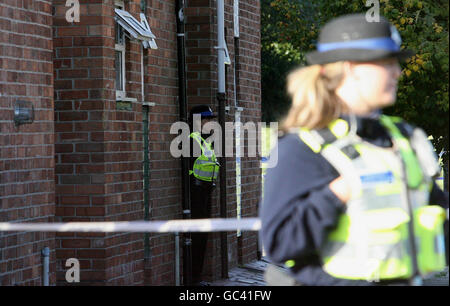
{"x":121,"y":47}
{"x":137,"y":30}
{"x":236,"y":18}
{"x":120,"y":94}
{"x":134,"y":30}
{"x":150,"y":43}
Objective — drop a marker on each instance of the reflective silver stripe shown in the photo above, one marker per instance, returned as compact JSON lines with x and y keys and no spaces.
{"x":207,"y":174}
{"x":419,"y":198}
{"x":203,"y":173}
{"x":371,"y":201}
{"x":378,"y":252}
{"x":204,"y":162}
{"x":439,"y":244}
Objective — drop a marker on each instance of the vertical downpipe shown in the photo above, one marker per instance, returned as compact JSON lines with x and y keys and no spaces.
{"x":221,"y":97}
{"x":237,"y":121}
{"x":45,"y":266}
{"x":145,"y":136}
{"x":185,"y":180}
{"x":177,"y":259}
{"x":145,"y":116}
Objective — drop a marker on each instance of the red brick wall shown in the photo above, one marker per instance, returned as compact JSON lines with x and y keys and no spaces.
{"x":26,"y":152}
{"x":123,"y":169}
{"x":98,"y":147}
{"x":161,"y":88}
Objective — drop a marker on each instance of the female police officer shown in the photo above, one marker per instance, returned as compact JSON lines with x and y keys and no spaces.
{"x":347,"y":203}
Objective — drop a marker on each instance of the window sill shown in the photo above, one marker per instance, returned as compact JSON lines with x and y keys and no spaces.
{"x":126,"y":99}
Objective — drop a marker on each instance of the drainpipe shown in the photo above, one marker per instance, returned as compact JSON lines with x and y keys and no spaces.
{"x":177,"y":259}
{"x":237,"y":120}
{"x":221,"y":97}
{"x":46,"y":265}
{"x":146,"y":184}
{"x":146,"y":162}
{"x":187,"y":253}
{"x":145,"y":122}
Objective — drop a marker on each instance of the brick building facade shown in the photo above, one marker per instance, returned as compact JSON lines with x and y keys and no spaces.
{"x":82,"y":157}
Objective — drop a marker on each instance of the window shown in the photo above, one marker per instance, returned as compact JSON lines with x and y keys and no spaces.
{"x":120,"y":48}
{"x":127,"y":26}
{"x":149,"y":43}
{"x":120,"y":62}
{"x":137,"y":30}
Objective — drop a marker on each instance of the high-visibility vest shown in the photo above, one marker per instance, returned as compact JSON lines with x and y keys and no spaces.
{"x":372,"y":238}
{"x":206,"y":167}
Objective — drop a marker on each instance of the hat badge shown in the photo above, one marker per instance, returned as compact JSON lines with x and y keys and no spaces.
{"x":396,"y":36}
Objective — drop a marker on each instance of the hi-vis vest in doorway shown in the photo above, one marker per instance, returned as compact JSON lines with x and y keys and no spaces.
{"x":206,"y":167}
{"x":390,"y":193}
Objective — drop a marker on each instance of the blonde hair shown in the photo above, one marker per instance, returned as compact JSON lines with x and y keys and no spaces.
{"x":314,"y":101}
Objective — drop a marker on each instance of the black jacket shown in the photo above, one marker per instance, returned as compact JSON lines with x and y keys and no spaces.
{"x":299,"y":209}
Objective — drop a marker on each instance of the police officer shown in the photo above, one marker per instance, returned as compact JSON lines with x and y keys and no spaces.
{"x":348,"y":202}
{"x":204,"y":172}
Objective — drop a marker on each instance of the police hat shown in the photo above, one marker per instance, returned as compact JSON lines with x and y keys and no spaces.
{"x":353,"y":38}
{"x":203,"y":110}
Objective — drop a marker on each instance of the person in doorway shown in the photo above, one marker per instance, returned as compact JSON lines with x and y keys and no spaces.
{"x":204,"y":172}
{"x":352,"y":200}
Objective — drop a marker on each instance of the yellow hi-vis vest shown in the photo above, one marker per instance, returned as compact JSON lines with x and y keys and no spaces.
{"x":390,"y":193}
{"x":206,"y":167}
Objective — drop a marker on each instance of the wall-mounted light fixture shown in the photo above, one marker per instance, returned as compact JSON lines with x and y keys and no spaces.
{"x":23,"y":112}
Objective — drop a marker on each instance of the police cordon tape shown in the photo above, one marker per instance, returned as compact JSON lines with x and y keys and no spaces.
{"x":182,"y":225}
{"x":178,"y":225}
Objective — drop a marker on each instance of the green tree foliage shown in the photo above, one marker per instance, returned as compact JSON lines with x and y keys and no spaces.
{"x":289,"y":30}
